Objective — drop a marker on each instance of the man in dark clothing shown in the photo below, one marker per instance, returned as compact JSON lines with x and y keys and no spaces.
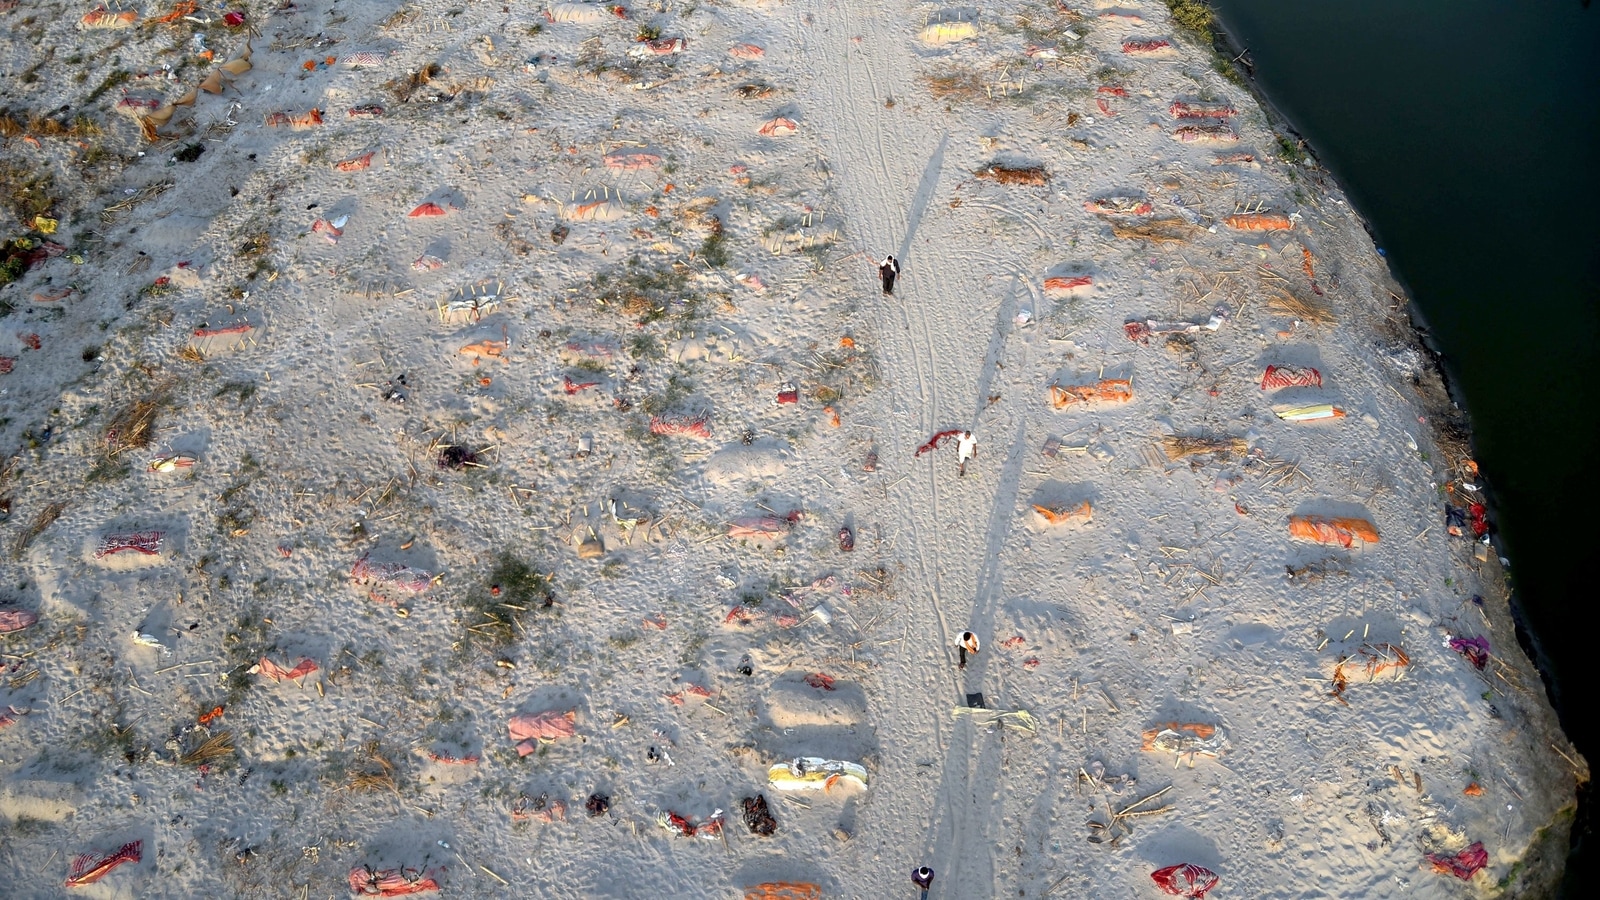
{"x":887,"y":270}
{"x":922,"y":877}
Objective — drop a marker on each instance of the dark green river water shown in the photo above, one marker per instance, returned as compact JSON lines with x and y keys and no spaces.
{"x":1468,"y":134}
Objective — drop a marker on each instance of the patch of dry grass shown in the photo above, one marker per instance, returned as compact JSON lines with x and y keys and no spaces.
{"x":50,"y":513}
{"x":217,"y":746}
{"x":1159,"y":231}
{"x":403,"y":88}
{"x":955,"y":84}
{"x":134,"y":425}
{"x":1297,"y":308}
{"x":1182,"y":446}
{"x":1033,"y":176}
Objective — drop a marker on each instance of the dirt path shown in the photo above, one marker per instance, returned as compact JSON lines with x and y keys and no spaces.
{"x":941,"y":335}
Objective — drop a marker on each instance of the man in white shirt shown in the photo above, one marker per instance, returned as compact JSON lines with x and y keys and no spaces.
{"x":887,"y":270}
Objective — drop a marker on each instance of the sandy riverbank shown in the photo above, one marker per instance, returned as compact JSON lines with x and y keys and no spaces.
{"x":479,"y":404}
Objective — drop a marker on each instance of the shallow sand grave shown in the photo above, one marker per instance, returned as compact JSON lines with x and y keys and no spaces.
{"x":542,"y":433}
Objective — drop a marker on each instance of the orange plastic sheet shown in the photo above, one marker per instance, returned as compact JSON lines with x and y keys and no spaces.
{"x":1107,"y":390}
{"x":1343,"y":531}
{"x":1259,"y":222}
{"x":1061,"y":515}
{"x":783,"y":890}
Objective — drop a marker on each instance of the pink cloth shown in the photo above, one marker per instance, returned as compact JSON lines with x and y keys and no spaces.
{"x":16,"y":620}
{"x":533,"y":729}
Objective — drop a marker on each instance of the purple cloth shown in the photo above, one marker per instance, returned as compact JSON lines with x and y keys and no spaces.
{"x":1475,"y":649}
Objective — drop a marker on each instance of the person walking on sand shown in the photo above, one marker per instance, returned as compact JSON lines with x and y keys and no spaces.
{"x":966,"y":448}
{"x":887,"y":271}
{"x":922,"y":877}
{"x":967,"y":644}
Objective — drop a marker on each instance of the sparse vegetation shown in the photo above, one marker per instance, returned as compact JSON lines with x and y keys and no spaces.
{"x":514,"y":590}
{"x":648,"y":294}
{"x":1193,"y":17}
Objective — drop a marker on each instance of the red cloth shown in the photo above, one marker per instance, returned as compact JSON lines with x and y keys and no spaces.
{"x":934,"y":442}
{"x":88,"y":868}
{"x":1185,"y":880}
{"x":371,"y":882}
{"x":1462,"y":865}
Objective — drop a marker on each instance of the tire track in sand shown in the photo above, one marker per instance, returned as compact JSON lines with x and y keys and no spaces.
{"x":858,"y":59}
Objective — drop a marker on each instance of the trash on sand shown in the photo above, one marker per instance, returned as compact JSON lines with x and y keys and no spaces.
{"x":170,"y":463}
{"x":149,"y":640}
{"x":544,"y":809}
{"x":757,"y":816}
{"x":103,"y":17}
{"x":331,"y":230}
{"x":783,"y":890}
{"x":142,"y":543}
{"x":396,"y":575}
{"x":1341,"y":530}
{"x":710,"y":829}
{"x":695,"y":425}
{"x":1462,"y":865}
{"x":811,"y":773}
{"x":533,"y":729}
{"x":1095,"y":775}
{"x":1475,"y":649}
{"x":295,"y":121}
{"x":356,"y":163}
{"x":366,"y":881}
{"x":1141,"y":332}
{"x":1061,"y":515}
{"x":485,"y":349}
{"x":583,"y":13}
{"x":1276,"y":377}
{"x":87,"y":868}
{"x":1120,"y":824}
{"x":778,"y":127}
{"x":1182,"y":739}
{"x":1182,"y":110}
{"x":1033,"y":176}
{"x":1106,"y":390}
{"x":1380,"y":660}
{"x":1119,"y":206}
{"x":1259,"y":222}
{"x":1205,"y":134}
{"x":266,"y":668}
{"x":658,"y":47}
{"x":1181,"y":446}
{"x":631,"y":159}
{"x":1062,"y":286}
{"x":571,"y":388}
{"x":941,"y":33}
{"x":600,"y":210}
{"x":1185,"y":880}
{"x":939,"y":439}
{"x":1308,"y":413}
{"x":819,"y":681}
{"x":1152,"y":46}
{"x":1014,"y":719}
{"x":762,"y":528}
